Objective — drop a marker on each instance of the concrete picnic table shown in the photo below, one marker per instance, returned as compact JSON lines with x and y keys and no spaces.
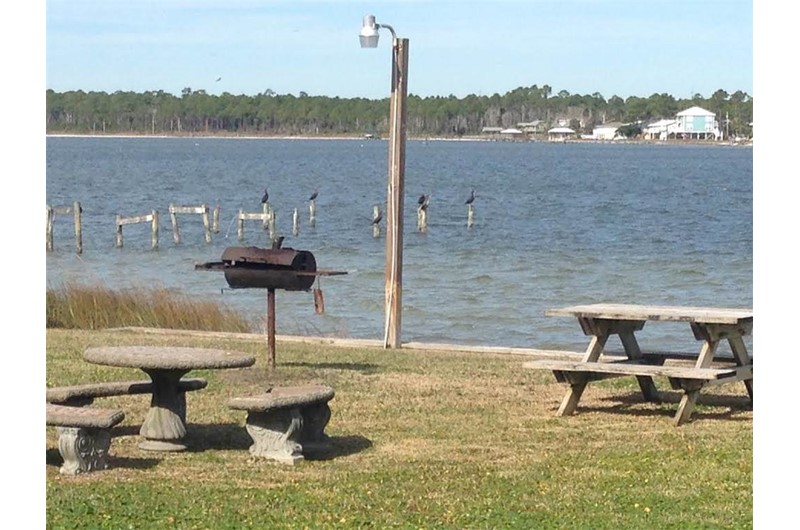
{"x":164,"y":426}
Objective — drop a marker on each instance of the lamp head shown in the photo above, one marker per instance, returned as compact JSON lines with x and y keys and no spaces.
{"x":369,"y":32}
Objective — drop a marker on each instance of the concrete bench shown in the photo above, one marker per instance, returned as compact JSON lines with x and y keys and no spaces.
{"x":285,"y":422}
{"x":84,"y":436}
{"x":81,"y":395}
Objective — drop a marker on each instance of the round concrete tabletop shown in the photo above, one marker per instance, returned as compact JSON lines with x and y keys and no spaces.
{"x":167,"y":357}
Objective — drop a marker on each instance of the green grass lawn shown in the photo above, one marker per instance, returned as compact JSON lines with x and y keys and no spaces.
{"x":421,"y":439}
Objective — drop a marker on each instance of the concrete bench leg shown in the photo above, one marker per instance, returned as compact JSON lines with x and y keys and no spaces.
{"x":276,"y":434}
{"x":83,"y":449}
{"x":315,"y":418}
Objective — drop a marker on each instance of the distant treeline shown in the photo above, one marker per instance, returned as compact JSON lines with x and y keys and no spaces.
{"x":196,"y":112}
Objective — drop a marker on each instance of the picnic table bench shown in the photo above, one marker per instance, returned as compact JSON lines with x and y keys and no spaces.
{"x":285,"y":422}
{"x":84,"y":436}
{"x":85,"y":394}
{"x":709,"y":325}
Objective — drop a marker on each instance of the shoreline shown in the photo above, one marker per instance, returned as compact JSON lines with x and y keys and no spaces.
{"x":418,"y":139}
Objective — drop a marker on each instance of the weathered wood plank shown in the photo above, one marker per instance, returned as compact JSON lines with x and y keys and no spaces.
{"x":136,"y":219}
{"x":629,"y":368}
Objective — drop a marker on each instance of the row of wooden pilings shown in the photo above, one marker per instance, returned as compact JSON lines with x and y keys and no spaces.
{"x":210,"y":219}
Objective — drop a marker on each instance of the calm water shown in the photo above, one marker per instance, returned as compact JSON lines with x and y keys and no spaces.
{"x":555,"y":225}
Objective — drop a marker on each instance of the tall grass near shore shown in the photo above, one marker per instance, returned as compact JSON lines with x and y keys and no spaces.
{"x":95,"y":307}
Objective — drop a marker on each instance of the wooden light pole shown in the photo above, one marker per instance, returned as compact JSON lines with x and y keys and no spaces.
{"x":395,"y":188}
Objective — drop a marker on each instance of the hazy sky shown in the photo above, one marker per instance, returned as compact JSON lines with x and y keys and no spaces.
{"x":614,"y":47}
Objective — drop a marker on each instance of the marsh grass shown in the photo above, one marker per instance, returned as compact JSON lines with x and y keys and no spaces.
{"x":421,"y":439}
{"x":76,"y":306}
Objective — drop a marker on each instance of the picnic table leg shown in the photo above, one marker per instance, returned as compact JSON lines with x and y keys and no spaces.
{"x":164,"y":426}
{"x":740,"y":354}
{"x":686,"y":407}
{"x":632,"y":350}
{"x":570,"y":401}
{"x":689,"y":398}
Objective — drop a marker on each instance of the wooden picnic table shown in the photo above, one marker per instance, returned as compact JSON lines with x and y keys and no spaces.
{"x":709,"y":325}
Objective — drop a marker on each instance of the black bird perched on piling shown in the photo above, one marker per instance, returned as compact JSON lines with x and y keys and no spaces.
{"x":423,"y":201}
{"x":471,"y":197}
{"x":378,"y":218}
{"x":265,"y":198}
{"x":314,"y":195}
{"x":277,"y":242}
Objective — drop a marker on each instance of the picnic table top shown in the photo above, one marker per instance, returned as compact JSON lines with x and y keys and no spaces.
{"x":703,"y":315}
{"x":167,"y":357}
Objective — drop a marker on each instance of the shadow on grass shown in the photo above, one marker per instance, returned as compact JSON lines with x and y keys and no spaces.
{"x":216,"y":436}
{"x":53,"y":458}
{"x":202,"y":437}
{"x":632,"y":404}
{"x":366,"y":368}
{"x":340,"y":446}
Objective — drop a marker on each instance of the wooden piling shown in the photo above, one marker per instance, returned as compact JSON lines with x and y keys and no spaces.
{"x":422,"y":218}
{"x":119,"y":230}
{"x":173,"y":215}
{"x":240,"y":225}
{"x":295,"y":223}
{"x":154,"y":230}
{"x":76,"y":211}
{"x":215,"y":219}
{"x":312,"y":212}
{"x":206,"y":223}
{"x":470,"y":216}
{"x":271,"y":223}
{"x":267,"y":210}
{"x":50,"y":216}
{"x":376,"y":221}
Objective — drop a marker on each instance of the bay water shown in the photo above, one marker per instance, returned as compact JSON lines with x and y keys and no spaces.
{"x":554,"y":225}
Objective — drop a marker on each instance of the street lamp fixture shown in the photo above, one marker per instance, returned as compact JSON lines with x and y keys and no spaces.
{"x":397,"y":162}
{"x":369,"y":32}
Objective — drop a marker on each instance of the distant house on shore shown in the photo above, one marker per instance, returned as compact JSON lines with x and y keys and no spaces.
{"x":511,"y":132}
{"x":560,"y":134}
{"x":696,"y":123}
{"x":693,"y":123}
{"x":532,"y":127}
{"x":659,"y":130}
{"x":608,"y":131}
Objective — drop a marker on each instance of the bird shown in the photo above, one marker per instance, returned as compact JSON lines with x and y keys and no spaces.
{"x":218,"y":79}
{"x":423,"y":201}
{"x":265,"y":198}
{"x":378,"y":218}
{"x":314,"y":195}
{"x":471,"y":197}
{"x":277,"y":242}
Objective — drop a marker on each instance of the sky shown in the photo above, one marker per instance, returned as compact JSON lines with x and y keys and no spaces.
{"x":612,"y":47}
